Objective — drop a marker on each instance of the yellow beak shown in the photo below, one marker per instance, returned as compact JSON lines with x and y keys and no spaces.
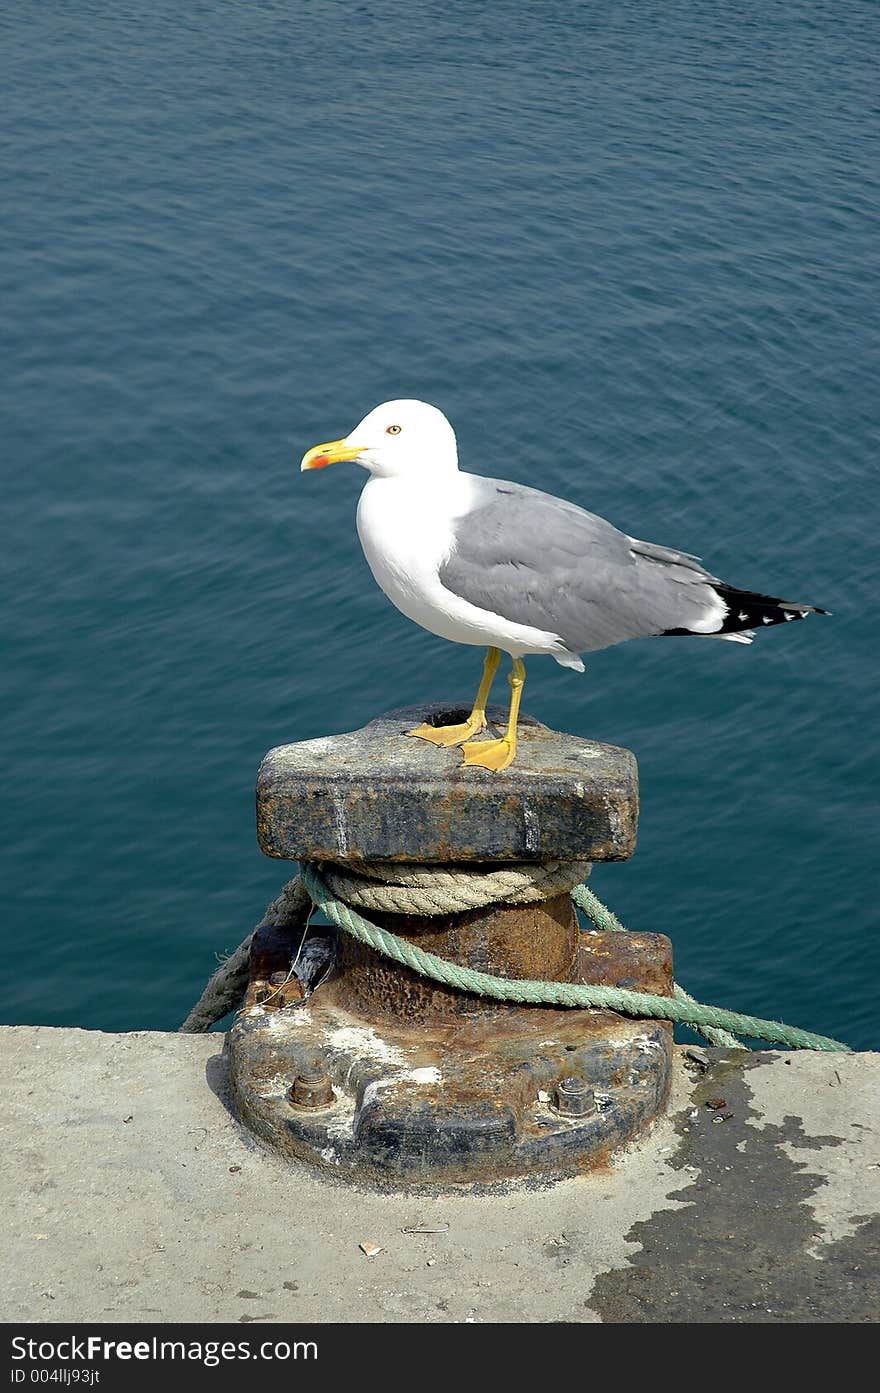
{"x":331,"y":453}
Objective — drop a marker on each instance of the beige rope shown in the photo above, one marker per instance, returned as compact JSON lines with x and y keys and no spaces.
{"x":225,"y":991}
{"x":288,"y":906}
{"x":391,"y":888}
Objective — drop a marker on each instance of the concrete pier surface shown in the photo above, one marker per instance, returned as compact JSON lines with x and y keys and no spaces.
{"x":130,"y":1193}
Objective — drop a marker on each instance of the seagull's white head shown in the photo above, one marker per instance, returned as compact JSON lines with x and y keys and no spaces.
{"x":398,"y":438}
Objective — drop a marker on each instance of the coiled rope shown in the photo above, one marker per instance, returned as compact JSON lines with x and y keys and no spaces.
{"x":396,"y":889}
{"x":322,"y":882}
{"x":340,"y":892}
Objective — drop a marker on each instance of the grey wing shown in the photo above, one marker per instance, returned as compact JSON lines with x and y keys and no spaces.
{"x":541,"y":561}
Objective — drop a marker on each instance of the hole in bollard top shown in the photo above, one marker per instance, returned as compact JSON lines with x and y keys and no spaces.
{"x":457,"y":716}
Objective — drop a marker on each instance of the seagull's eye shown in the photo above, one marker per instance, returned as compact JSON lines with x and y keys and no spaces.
{"x":392,"y":430}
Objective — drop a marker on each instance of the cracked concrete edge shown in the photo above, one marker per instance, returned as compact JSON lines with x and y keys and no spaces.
{"x":129,"y":1193}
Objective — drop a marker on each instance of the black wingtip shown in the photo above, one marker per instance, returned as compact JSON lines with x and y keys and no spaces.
{"x":749,"y":611}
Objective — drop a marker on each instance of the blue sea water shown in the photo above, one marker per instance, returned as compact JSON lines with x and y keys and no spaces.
{"x":631,"y":250}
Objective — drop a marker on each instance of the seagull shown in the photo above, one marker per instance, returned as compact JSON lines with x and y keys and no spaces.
{"x":509,"y":568}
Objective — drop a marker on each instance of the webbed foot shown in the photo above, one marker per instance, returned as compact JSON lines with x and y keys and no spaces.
{"x":490,"y":754}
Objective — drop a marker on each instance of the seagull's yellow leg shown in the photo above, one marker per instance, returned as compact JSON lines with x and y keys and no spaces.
{"x":456,"y":735}
{"x":497,"y":754}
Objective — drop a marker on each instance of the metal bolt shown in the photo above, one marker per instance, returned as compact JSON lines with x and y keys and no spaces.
{"x":279,"y":978}
{"x":312,"y":1087}
{"x":574,"y":1098}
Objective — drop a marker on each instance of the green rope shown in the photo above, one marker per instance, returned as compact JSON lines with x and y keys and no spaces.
{"x":466,"y":979}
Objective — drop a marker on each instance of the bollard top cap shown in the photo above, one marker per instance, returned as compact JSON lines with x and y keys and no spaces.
{"x":376,"y":794}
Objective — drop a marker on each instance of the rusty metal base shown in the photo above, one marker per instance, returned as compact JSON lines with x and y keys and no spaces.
{"x":539,"y":1095}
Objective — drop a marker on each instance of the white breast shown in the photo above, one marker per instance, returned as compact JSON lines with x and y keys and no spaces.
{"x":406,"y":531}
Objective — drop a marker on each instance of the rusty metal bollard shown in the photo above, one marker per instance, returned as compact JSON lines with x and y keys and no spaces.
{"x":384,"y":1075}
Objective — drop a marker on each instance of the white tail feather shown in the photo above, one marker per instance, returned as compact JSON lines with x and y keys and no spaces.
{"x":744,"y":636}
